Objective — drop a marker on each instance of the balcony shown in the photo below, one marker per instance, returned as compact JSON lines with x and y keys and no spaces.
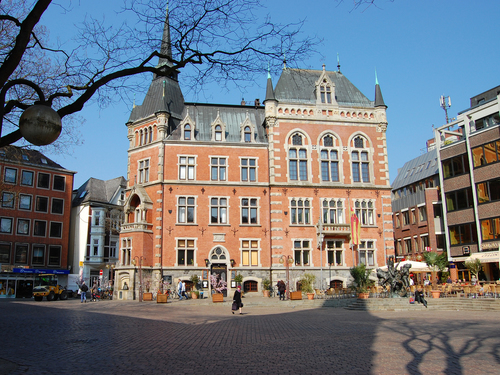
{"x":136,"y":227}
{"x":337,"y":229}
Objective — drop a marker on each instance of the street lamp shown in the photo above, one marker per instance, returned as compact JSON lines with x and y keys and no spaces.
{"x":287,"y":259}
{"x":320,"y":236}
{"x":134,"y":262}
{"x":39,"y":124}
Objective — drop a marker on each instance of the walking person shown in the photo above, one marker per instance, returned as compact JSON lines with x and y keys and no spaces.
{"x":282,"y":290}
{"x":179,"y":289}
{"x":83,"y":289}
{"x":237,"y":304}
{"x":183,"y":291}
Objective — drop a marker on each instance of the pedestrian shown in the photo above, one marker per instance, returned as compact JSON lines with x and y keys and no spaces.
{"x":94,"y":293}
{"x":237,"y":304}
{"x":179,"y":289}
{"x":282,"y":290}
{"x":419,"y":296}
{"x":83,"y":291}
{"x":184,"y":290}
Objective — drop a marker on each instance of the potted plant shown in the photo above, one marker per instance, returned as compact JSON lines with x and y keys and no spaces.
{"x":218,"y":286}
{"x":266,"y":284}
{"x":195,"y":280}
{"x":238,"y":279}
{"x":474,"y":266}
{"x":361,"y":280}
{"x":307,"y":282}
{"x":147,"y":295}
{"x":437,"y":262}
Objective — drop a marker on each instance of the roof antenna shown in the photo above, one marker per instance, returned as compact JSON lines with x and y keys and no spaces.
{"x":442,"y":101}
{"x":338,"y":63}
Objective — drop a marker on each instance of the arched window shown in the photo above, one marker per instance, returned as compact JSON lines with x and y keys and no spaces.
{"x":333,"y":211}
{"x":300,"y":211}
{"x":329,"y":160}
{"x":360,"y":161}
{"x":187,"y":132}
{"x":365,"y":212}
{"x":297,"y":160}
{"x":150,"y":135}
{"x":141,"y":138}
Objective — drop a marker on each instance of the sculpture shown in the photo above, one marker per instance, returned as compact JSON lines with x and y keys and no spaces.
{"x":398,"y":280}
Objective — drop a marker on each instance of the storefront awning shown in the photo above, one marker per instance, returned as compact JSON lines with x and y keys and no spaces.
{"x":485,"y":256}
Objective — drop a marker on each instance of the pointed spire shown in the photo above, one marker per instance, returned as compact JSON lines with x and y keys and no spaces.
{"x":166,"y":44}
{"x":379,"y":99}
{"x":269,"y":88}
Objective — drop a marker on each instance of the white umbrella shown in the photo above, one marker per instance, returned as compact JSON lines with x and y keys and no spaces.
{"x":415,"y":266}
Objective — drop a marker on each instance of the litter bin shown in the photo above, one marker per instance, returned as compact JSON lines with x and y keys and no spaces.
{"x":201,"y":294}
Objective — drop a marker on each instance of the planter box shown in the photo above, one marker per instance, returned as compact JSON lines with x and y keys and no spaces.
{"x":148,"y":296}
{"x":363,"y":295}
{"x":217,"y":297}
{"x":161,"y":298}
{"x":265,"y":293}
{"x":295,"y":295}
{"x":436,"y":293}
{"x":194,"y":295}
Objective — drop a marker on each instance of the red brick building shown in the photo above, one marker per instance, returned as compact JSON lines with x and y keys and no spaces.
{"x":34,"y":219}
{"x":234,"y":189}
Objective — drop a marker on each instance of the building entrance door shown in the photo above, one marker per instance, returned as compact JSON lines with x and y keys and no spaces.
{"x":220,"y":270}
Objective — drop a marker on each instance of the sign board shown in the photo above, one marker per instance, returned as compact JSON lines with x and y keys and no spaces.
{"x":465,"y":250}
{"x":100,"y":273}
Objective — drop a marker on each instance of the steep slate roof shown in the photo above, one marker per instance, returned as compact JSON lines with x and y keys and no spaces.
{"x":95,"y":190}
{"x":231,"y":115}
{"x":405,"y":175}
{"x":31,"y":157}
{"x":160,"y":97}
{"x":298,"y":85}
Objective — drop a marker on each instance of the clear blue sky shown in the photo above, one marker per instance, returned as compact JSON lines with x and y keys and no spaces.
{"x":420,"y":50}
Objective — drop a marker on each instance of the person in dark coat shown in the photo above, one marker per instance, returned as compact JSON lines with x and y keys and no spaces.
{"x":419,"y":296}
{"x":282,"y":290}
{"x":237,"y":299}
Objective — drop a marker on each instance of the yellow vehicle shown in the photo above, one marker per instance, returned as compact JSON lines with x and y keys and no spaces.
{"x":46,"y":286}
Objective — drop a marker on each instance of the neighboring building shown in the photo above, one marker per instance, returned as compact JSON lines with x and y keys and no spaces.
{"x":234,"y":189}
{"x":34,"y":219}
{"x":417,"y":209}
{"x":96,"y":216}
{"x":470,"y":180}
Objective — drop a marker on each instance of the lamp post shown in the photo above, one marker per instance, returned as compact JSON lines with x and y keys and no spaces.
{"x":139,"y":260}
{"x":287,"y":259}
{"x":319,"y":232}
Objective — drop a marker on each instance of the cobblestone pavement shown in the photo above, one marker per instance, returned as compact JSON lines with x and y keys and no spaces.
{"x":117,"y":337}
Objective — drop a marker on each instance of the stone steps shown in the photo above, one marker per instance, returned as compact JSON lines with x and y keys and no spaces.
{"x":402,"y":304}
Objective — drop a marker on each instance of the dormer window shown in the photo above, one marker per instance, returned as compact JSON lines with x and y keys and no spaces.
{"x":326,"y":92}
{"x":188,"y":128}
{"x":218,"y":133}
{"x":248,"y":134}
{"x":187,"y":132}
{"x":218,"y":129}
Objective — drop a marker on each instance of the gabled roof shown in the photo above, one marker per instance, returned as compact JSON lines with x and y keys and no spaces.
{"x":27,"y":156}
{"x":98,"y":191}
{"x":299,"y":85}
{"x":417,"y":169}
{"x":232,"y":116}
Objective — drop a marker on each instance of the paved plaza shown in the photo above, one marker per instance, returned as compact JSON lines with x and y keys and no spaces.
{"x":115,"y":337}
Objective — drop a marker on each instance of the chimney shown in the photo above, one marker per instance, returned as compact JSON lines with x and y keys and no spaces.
{"x":257,"y":102}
